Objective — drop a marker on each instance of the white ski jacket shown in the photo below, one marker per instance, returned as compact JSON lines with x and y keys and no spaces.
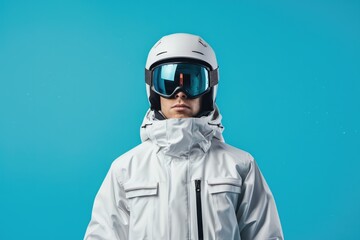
{"x":183,"y":182}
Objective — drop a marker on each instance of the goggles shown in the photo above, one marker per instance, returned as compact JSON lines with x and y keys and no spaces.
{"x":192,"y":79}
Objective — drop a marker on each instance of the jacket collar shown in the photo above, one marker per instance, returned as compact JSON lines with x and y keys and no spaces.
{"x":177,"y":136}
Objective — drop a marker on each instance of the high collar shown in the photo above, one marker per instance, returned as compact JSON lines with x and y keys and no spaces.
{"x":177,"y":136}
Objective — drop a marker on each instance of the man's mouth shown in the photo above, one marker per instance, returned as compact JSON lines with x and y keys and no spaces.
{"x":180,"y":105}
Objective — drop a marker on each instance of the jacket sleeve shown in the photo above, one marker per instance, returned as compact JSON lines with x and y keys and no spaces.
{"x":257,"y":213}
{"x":110,"y":215}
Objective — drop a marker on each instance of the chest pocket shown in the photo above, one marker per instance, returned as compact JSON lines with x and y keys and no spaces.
{"x":224,"y":196}
{"x":225,"y":191}
{"x":142,"y":197}
{"x":140,"y":189}
{"x":223,"y":185}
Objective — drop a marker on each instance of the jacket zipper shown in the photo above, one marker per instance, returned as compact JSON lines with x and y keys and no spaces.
{"x":198,"y":209}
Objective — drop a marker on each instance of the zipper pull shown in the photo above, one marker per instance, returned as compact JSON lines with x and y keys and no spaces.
{"x":197,"y":185}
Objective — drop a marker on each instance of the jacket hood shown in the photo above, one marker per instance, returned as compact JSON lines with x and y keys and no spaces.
{"x":177,"y":136}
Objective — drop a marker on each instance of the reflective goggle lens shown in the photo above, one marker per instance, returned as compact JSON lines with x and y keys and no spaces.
{"x":193,"y":79}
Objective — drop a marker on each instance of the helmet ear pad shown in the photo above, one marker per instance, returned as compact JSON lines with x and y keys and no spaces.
{"x":154,"y":99}
{"x":207,"y":103}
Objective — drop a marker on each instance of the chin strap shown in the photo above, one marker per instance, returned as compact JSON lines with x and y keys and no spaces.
{"x":159,"y":115}
{"x":202,"y":114}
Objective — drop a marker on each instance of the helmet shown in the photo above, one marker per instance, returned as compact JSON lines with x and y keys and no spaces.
{"x":181,"y":49}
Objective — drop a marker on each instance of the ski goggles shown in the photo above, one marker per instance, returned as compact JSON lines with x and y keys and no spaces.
{"x":192,"y":79}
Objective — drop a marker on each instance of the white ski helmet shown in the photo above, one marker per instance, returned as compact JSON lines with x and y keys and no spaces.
{"x":182,"y":47}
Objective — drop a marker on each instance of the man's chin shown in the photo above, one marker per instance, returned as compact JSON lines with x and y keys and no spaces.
{"x":181,"y":115}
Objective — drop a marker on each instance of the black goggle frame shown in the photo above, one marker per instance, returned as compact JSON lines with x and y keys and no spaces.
{"x":213,"y":76}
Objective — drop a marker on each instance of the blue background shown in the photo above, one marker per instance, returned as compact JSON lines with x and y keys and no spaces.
{"x":72,"y":98}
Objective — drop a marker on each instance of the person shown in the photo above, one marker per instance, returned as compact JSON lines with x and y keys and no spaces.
{"x":183,"y":181}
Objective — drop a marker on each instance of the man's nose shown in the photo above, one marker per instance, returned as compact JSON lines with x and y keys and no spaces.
{"x":180,"y":94}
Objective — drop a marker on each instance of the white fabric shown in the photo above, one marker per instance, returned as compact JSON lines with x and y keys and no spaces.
{"x":149,"y":192}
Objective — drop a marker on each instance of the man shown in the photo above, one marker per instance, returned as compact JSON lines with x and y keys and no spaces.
{"x":183,"y":181}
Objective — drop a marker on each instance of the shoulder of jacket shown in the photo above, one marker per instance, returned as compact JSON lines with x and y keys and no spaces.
{"x":235,"y":152}
{"x":240,"y":159}
{"x":138,"y":152}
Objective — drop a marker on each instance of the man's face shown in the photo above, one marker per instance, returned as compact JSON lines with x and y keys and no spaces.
{"x":180,"y":106}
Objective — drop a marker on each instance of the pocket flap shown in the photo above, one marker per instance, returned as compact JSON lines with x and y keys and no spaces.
{"x":140,"y":189}
{"x":218,"y":185}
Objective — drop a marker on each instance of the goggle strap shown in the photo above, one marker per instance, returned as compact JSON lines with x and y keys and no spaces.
{"x":214,"y":77}
{"x":148,"y":77}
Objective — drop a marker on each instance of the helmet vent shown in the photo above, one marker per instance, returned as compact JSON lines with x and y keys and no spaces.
{"x":198,"y":52}
{"x":161,"y":53}
{"x":202,"y":43}
{"x":158,"y":43}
